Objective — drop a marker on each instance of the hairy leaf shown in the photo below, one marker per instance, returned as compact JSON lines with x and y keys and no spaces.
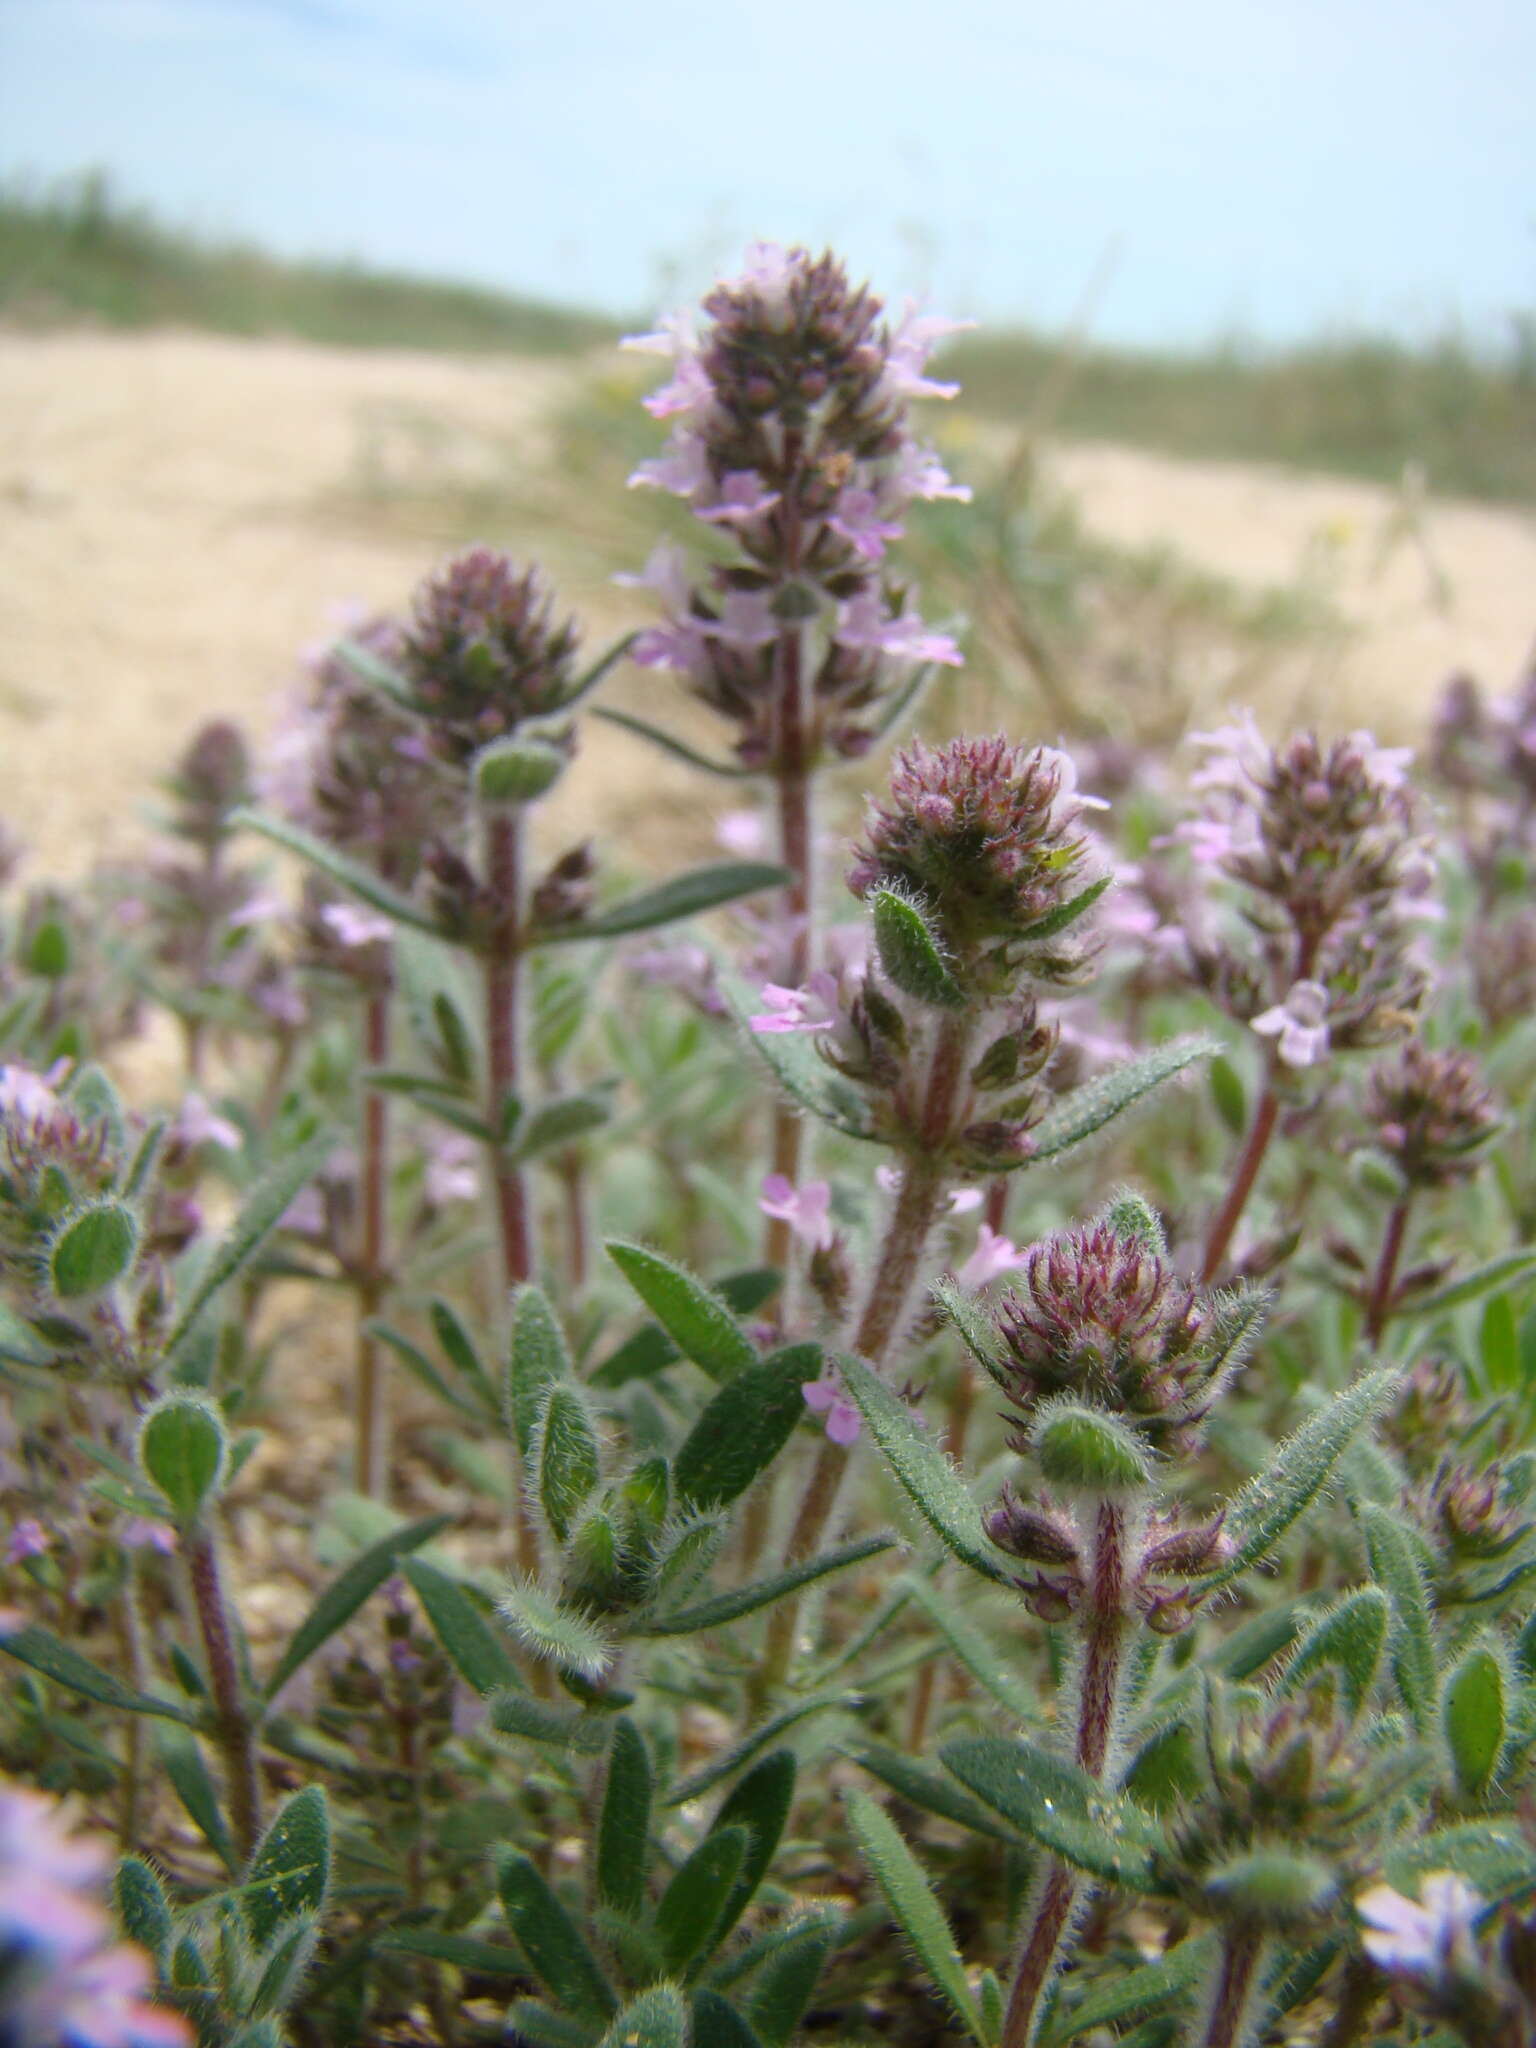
{"x":740,"y":1600}
{"x":183,"y":1763}
{"x":1057,"y":1805}
{"x":915,"y":1909}
{"x":686,"y":895}
{"x":291,"y":1869}
{"x":347,"y":1591}
{"x":564,"y":1457}
{"x":469,"y":1642}
{"x":624,"y":1824}
{"x":352,"y":875}
{"x":549,"y":1628}
{"x":693,"y":1315}
{"x":1350,"y":1639}
{"x":536,"y":1359}
{"x":744,"y":1427}
{"x":658,"y":2018}
{"x":691,"y":1917}
{"x":554,"y":1945}
{"x":40,"y":1650}
{"x":1474,"y":1718}
{"x":1086,"y":1110}
{"x":909,"y":952}
{"x":1396,"y":1567}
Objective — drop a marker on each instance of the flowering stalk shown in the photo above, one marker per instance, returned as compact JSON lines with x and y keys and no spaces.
{"x":372,"y":1278}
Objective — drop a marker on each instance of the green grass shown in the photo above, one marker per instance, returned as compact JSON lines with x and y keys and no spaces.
{"x":79,"y":254}
{"x":1363,"y":407}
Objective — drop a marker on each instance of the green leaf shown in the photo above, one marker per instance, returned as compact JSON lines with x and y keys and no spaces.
{"x":691,"y":1918}
{"x":470,"y":1643}
{"x":1497,"y":1273}
{"x":143,"y":1910}
{"x":744,"y":1427}
{"x":975,"y":1329}
{"x":910,"y":953}
{"x":915,"y":1909}
{"x":1350,"y":1639}
{"x":291,"y":1868}
{"x":1262,"y":1511}
{"x":459,"y":1951}
{"x":928,"y":1478}
{"x":1229,"y":1095}
{"x":347,"y":1592}
{"x":95,"y":1248}
{"x":517,"y":771}
{"x":183,"y":1450}
{"x":1081,"y":1449}
{"x":515,"y":1713}
{"x":717,"y":2023}
{"x":284,"y":1969}
{"x":420,"y":1367}
{"x":564,"y":1120}
{"x":760,"y":1802}
{"x":1499,"y":1345}
{"x":1130,"y":1994}
{"x":564,"y":1457}
{"x":20,"y":1343}
{"x":42,"y":1651}
{"x":728,"y":1762}
{"x":1086,"y":1110}
{"x":259,"y":1216}
{"x":458,"y":1347}
{"x":548,"y":1628}
{"x":740,"y":1600}
{"x":365,"y":663}
{"x":783,"y":1986}
{"x":624,"y":1824}
{"x":731,"y":771}
{"x":650,"y":1350}
{"x":658,"y":2018}
{"x":537,"y":1358}
{"x":182,"y":1761}
{"x":1492,"y":1855}
{"x":980,"y":1657}
{"x":1058,"y":1806}
{"x":693,"y":1315}
{"x":1396,"y":1568}
{"x":920,"y":1786}
{"x":687,"y":895}
{"x":549,"y":1937}
{"x":350,"y":874}
{"x":794,"y":1063}
{"x":1474,"y":1718}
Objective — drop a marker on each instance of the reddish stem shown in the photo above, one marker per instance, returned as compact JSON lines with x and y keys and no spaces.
{"x":1379,"y":1311}
{"x":372,"y":1254}
{"x":1246,"y":1172}
{"x":1241,"y":1950}
{"x":234,"y":1725}
{"x":503,"y":1036}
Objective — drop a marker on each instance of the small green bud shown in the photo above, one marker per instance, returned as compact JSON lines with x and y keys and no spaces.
{"x":1083,"y":1450}
{"x":1131,"y":1215}
{"x":49,"y":953}
{"x":184,"y":1451}
{"x":1275,"y":1887}
{"x":509,"y":773}
{"x":95,"y":1248}
{"x":1375,"y":1174}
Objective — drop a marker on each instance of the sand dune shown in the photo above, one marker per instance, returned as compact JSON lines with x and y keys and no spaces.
{"x":166,"y":546}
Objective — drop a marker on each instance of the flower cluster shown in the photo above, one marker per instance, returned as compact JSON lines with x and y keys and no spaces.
{"x":483,"y":653}
{"x":63,"y":1979}
{"x":790,"y":436}
{"x":1325,"y":837}
{"x":1431,"y":1114}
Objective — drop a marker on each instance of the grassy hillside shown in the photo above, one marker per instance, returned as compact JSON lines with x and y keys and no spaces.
{"x":1360,"y":407}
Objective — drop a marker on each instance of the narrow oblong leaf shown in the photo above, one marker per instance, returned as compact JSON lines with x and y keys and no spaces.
{"x":914,"y":1908}
{"x":1057,"y":1805}
{"x":717,"y":2021}
{"x":550,"y":1629}
{"x":469,"y":1642}
{"x":669,"y":743}
{"x":909,"y":952}
{"x":291,"y":1869}
{"x":563,"y":1121}
{"x":984,"y":1662}
{"x":182,"y":1761}
{"x":260,"y":1214}
{"x":691,"y":1915}
{"x":919,"y":1786}
{"x":1351,"y":1640}
{"x":536,"y":1359}
{"x":783,"y":1985}
{"x":685,"y":896}
{"x":352,"y":875}
{"x":517,"y":1713}
{"x":555,"y":1947}
{"x":759,"y":1802}
{"x":1261,"y":1512}
{"x":347,"y":1591}
{"x":1129,"y":1994}
{"x":462,"y":1951}
{"x":974,"y":1328}
{"x":1492,"y":1855}
{"x":142,"y":1907}
{"x":795,"y":1064}
{"x":564,"y":1457}
{"x":458,"y":1347}
{"x":650,"y":1350}
{"x":755,"y":1742}
{"x":744,"y":1427}
{"x":1065,"y":914}
{"x":693,"y":1315}
{"x":1086,"y":1110}
{"x":740,"y":1600}
{"x":1396,"y":1567}
{"x":926,"y":1475}
{"x":1503,"y":1271}
{"x":1474,"y":1718}
{"x":624,"y":1823}
{"x":40,"y":1650}
{"x":658,"y":2018}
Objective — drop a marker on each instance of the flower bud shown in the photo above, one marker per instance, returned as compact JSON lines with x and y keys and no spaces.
{"x":1083,"y":1450}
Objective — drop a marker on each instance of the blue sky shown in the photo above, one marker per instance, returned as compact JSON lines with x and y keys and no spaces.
{"x":1267,"y":169}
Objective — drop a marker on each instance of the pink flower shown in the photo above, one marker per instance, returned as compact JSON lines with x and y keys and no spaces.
{"x":919,"y":473}
{"x":28,"y":1539}
{"x":742,"y":497}
{"x":745,"y":620}
{"x":141,"y":1534}
{"x":350,"y":926}
{"x":265,"y":907}
{"x":26,"y":1096}
{"x":682,"y":467}
{"x":807,"y":1210}
{"x":1300,"y":1024}
{"x":665,"y":573}
{"x":994,"y":1254}
{"x":742,"y":832}
{"x":864,"y":622}
{"x":453,"y":1173}
{"x":915,"y":338}
{"x":794,"y":1009}
{"x":1435,"y":1939}
{"x":197,"y":1124}
{"x":857,"y":520}
{"x":1238,"y":756}
{"x":824,"y":1397}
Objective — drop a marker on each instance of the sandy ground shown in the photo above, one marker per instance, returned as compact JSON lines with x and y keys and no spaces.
{"x":169,"y":539}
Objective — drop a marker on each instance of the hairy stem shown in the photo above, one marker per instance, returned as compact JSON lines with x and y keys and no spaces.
{"x":1041,"y":1954}
{"x":1237,"y":1969}
{"x":1379,"y":1308}
{"x":371,"y":1455}
{"x":1244,"y":1174}
{"x":504,"y":1037}
{"x":1358,"y":1994}
{"x":234,"y":1723}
